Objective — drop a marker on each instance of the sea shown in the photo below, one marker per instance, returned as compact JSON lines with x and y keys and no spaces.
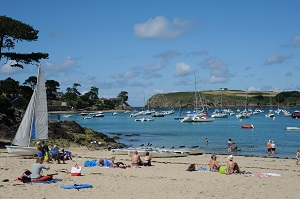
{"x":168,"y":132}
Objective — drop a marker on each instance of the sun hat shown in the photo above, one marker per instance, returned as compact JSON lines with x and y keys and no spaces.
{"x":230,"y":157}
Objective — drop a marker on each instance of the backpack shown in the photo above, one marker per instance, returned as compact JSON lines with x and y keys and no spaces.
{"x":191,"y":168}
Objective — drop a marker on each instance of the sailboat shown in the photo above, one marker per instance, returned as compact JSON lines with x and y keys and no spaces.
{"x":245,"y":113}
{"x":34,"y":125}
{"x":219,"y":113}
{"x":197,"y":116}
{"x":271,"y":112}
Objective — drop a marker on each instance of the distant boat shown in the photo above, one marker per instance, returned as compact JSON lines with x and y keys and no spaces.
{"x":196,"y":118}
{"x":296,"y":114}
{"x":247,"y":126}
{"x":34,"y":124}
{"x":144,"y":119}
{"x":292,"y":128}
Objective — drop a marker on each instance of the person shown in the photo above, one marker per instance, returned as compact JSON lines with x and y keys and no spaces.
{"x":55,"y":154}
{"x":37,"y":168}
{"x":147,"y":159}
{"x":232,"y":166}
{"x":269,"y":147}
{"x":40,"y":151}
{"x":214,"y":165}
{"x":68,"y":155}
{"x":206,"y":141}
{"x":61,"y":155}
{"x":229,"y":144}
{"x":103,"y":162}
{"x":273,"y":147}
{"x":297,"y":156}
{"x":136,"y":159}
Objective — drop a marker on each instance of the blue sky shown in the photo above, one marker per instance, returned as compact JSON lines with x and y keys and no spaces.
{"x":155,"y":46}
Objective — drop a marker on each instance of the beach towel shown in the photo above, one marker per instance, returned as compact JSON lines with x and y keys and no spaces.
{"x":46,"y":181}
{"x":90,"y":163}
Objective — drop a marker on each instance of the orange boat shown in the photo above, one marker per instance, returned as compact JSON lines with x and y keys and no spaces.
{"x":248,"y":126}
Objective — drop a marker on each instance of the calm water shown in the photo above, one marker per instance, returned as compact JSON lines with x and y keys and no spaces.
{"x":166,"y":131}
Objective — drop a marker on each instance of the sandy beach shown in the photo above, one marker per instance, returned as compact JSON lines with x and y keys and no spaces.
{"x":167,"y":178}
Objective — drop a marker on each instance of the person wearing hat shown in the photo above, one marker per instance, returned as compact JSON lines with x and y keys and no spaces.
{"x":232,"y":166}
{"x":269,"y":147}
{"x":214,"y":165}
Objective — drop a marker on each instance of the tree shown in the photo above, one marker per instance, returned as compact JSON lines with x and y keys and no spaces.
{"x":123,"y":97}
{"x":94,"y":93}
{"x":31,"y":81}
{"x":13,"y":31}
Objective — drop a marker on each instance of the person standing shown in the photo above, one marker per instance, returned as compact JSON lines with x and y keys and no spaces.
{"x":206,"y":141}
{"x":229,"y":145}
{"x":297,"y":156}
{"x":273,"y":147}
{"x":269,"y":147}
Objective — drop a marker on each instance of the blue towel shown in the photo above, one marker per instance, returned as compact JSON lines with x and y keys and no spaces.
{"x":90,"y":163}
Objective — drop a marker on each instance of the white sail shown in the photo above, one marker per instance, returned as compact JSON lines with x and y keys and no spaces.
{"x":40,"y":132}
{"x":34,"y":124}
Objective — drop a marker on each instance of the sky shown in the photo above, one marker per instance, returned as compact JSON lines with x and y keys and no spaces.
{"x":153,"y":47}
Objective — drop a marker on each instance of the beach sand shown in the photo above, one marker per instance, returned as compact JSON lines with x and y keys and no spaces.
{"x":168,"y":178}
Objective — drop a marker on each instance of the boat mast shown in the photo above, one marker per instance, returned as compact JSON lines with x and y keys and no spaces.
{"x":196,"y":105}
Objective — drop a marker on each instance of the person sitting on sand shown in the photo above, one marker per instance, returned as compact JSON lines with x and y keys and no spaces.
{"x":214,"y":165}
{"x":136,"y":159}
{"x":147,"y":159}
{"x":55,"y":154}
{"x":103,"y":162}
{"x":232,"y":166}
{"x":36,"y":169}
{"x":298,"y":156}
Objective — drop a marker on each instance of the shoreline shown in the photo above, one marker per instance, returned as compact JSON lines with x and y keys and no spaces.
{"x":167,"y":178}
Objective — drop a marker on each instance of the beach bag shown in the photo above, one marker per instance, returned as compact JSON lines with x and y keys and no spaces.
{"x":191,"y":168}
{"x":223,"y":169}
{"x":76,"y":170}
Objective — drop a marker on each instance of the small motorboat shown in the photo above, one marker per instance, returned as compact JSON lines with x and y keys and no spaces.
{"x":247,"y":126}
{"x":292,"y":128}
{"x":144,"y":120}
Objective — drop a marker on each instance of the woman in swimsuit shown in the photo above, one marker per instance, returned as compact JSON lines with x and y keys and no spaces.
{"x":147,"y":159}
{"x":233,"y":167}
{"x":213,"y":164}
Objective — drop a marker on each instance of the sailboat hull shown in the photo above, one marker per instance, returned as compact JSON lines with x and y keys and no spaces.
{"x":21,"y":150}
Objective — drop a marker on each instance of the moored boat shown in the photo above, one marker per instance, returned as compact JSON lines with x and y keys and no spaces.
{"x":247,"y":126}
{"x":296,"y":114}
{"x":292,"y":128}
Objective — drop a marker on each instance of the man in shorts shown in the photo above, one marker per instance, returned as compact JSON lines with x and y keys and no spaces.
{"x":269,"y":147}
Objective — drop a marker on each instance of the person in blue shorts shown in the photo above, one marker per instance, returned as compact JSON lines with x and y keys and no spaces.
{"x":103,"y":162}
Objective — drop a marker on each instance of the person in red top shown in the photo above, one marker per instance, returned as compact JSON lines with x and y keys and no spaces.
{"x":269,"y":147}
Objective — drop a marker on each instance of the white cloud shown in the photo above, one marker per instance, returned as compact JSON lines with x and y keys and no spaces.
{"x":161,"y":28}
{"x":218,"y":70}
{"x":183,"y":69}
{"x":276,"y":58}
{"x":8,"y":69}
{"x":61,"y":66}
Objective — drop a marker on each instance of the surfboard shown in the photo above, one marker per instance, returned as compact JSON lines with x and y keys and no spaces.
{"x":77,"y":186}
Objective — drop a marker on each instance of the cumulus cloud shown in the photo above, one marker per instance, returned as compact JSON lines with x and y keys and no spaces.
{"x":65,"y":65}
{"x":276,"y":58}
{"x":295,"y":42}
{"x":8,"y":69}
{"x":183,"y":69}
{"x":218,"y":70}
{"x":161,"y":28}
